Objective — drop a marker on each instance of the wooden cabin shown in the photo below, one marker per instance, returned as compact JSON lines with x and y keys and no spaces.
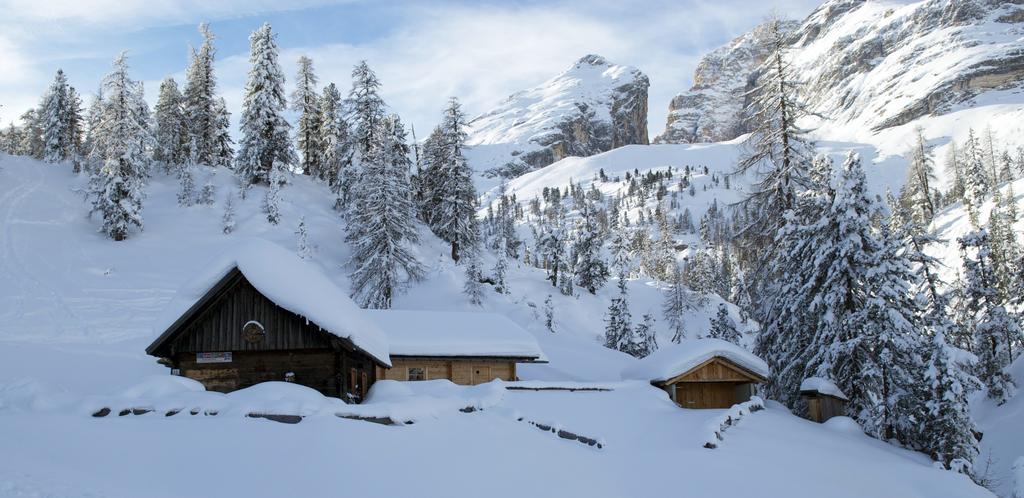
{"x":265,"y":315}
{"x":702,"y":373}
{"x":466,"y":348}
{"x":824,"y":399}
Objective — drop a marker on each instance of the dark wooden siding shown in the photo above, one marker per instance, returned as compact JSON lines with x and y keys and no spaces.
{"x":218,"y":327}
{"x":317,"y":358}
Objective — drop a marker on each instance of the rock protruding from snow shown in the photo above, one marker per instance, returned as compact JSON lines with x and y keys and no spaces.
{"x":675,"y":359}
{"x":593,"y":106}
{"x":712,"y":110}
{"x":821,"y":386}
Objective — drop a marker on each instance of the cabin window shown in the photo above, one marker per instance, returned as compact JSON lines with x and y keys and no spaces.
{"x":417,"y":373}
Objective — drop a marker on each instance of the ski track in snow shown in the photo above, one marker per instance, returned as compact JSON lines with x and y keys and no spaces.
{"x":15,"y":268}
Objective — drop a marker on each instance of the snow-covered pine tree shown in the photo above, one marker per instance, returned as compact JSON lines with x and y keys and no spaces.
{"x":551,"y":249}
{"x":367,"y":109}
{"x":187,"y":180}
{"x":381,"y":227}
{"x":207,"y":193}
{"x":473,"y":287}
{"x":32,"y":144}
{"x":228,"y":219}
{"x":549,"y":314}
{"x":1005,"y":250}
{"x":976,"y":178}
{"x":645,"y":339}
{"x":336,"y":143}
{"x":677,"y":301}
{"x":277,"y":178}
{"x":618,"y":330}
{"x":500,"y":272}
{"x":455,"y":218}
{"x":56,"y":116}
{"x":950,"y":430}
{"x":302,"y":239}
{"x":306,"y":102}
{"x":117,"y":187}
{"x":591,"y":270}
{"x":202,"y":109}
{"x":223,"y":152}
{"x":93,"y":153}
{"x":170,"y":132}
{"x":955,"y":172}
{"x":917,"y":190}
{"x":12,"y":140}
{"x":265,"y":133}
{"x":995,"y":329}
{"x":722,"y":326}
{"x":840,"y":306}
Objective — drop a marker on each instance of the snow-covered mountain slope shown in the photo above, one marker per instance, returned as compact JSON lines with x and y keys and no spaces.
{"x":884,"y":172}
{"x":591,"y":107}
{"x":876,"y":70}
{"x":62,"y":283}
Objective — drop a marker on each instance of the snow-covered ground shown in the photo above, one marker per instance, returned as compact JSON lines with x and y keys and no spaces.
{"x":628,"y":441}
{"x":77,"y":310}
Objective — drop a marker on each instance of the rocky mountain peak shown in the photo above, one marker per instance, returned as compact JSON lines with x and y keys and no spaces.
{"x":593,"y":106}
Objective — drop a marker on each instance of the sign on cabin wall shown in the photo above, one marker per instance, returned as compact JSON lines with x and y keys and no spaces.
{"x":213,"y":357}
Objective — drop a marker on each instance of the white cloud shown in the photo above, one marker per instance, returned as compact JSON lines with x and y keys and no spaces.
{"x":141,"y":13}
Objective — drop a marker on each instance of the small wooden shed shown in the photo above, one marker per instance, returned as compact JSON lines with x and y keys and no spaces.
{"x":824,"y":399}
{"x":262,"y":314}
{"x":702,"y":373}
{"x":466,"y":348}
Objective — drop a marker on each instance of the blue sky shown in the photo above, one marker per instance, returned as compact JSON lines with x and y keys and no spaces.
{"x":423,"y":51}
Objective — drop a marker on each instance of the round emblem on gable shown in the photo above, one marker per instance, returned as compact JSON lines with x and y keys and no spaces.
{"x":253,"y":332}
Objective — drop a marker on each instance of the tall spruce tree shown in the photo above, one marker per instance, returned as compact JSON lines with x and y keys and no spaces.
{"x":677,"y":301}
{"x":976,"y":178}
{"x":58,"y":116}
{"x":306,"y":101}
{"x":336,"y":144}
{"x":203,"y":111}
{"x":455,"y":218}
{"x":171,"y":129}
{"x":995,"y":329}
{"x":382,"y":228}
{"x":366,"y":114}
{"x":618,"y":330}
{"x":265,"y":132}
{"x":591,"y":270}
{"x":122,"y":134}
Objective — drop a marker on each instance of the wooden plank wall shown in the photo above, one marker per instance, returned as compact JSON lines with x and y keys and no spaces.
{"x":219,"y":326}
{"x":460,"y":371}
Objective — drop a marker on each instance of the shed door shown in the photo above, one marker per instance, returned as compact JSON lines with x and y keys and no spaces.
{"x":481,"y":374}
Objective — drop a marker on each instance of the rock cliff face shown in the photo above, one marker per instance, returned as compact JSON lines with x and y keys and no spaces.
{"x":712,"y":110}
{"x":592,"y":107}
{"x":866,"y":65}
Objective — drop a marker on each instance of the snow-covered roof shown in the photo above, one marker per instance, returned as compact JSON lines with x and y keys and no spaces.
{"x":450,"y":333}
{"x":676,"y":359}
{"x":289,"y":282}
{"x":821,"y":386}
